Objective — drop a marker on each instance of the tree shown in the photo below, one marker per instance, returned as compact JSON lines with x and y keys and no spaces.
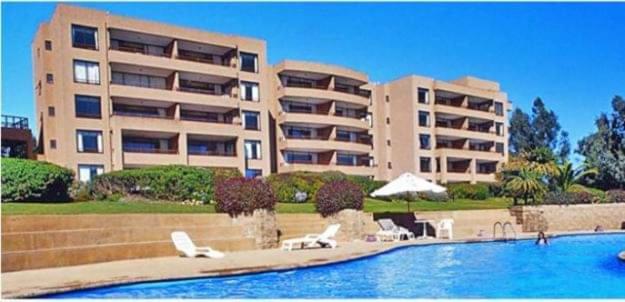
{"x":567,"y":176}
{"x":564,"y":149}
{"x":520,"y":132}
{"x":525,"y":184}
{"x":605,"y":149}
{"x":545,"y":126}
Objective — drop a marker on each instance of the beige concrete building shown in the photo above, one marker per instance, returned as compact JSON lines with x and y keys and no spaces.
{"x":443,"y":131}
{"x":115,"y":93}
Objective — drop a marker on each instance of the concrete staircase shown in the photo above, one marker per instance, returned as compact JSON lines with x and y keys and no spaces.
{"x":30,"y":242}
{"x":468,"y":223}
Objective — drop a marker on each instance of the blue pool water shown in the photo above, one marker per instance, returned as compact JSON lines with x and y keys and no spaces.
{"x":570,"y":267}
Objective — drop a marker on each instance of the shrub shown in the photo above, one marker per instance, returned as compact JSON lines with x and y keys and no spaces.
{"x":569,"y":198}
{"x":338,"y":195}
{"x":241,"y":195}
{"x":173,"y":182}
{"x":438,"y":197}
{"x":29,"y":180}
{"x":496,"y":189}
{"x":81,"y":191}
{"x":598,"y":195}
{"x":478,"y":191}
{"x":615,"y":195}
{"x":366,"y":184}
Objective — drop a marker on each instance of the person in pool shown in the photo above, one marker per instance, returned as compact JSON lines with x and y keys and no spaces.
{"x":542,"y":239}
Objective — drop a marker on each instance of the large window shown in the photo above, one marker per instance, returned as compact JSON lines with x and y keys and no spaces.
{"x":425,"y":164}
{"x":87,"y":106}
{"x":89,"y":141}
{"x":424,"y":141}
{"x":423,"y":95}
{"x":346,"y":159}
{"x":251,"y":120}
{"x":249,"y":91}
{"x":299,"y":132}
{"x":498,"y":108}
{"x":84,"y":37}
{"x":87,"y":172}
{"x":86,"y":72}
{"x":249,"y":62}
{"x":299,"y":157}
{"x":424,"y":119}
{"x":252,"y":149}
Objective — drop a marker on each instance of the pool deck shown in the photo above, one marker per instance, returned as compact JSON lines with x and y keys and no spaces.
{"x":53,"y":280}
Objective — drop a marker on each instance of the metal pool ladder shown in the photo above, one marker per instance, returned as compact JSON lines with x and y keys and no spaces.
{"x":503,"y":226}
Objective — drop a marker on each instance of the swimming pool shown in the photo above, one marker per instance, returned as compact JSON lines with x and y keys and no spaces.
{"x":570,"y":267}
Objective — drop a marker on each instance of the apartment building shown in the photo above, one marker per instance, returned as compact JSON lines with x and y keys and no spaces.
{"x":323,"y":120}
{"x":443,"y":131}
{"x":115,"y":93}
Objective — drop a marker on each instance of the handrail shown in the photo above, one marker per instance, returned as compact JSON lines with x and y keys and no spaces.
{"x":16,"y":122}
{"x":139,"y":114}
{"x":149,"y":150}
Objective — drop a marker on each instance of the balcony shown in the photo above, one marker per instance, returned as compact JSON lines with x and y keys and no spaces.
{"x":130,"y":110}
{"x":14,"y":122}
{"x":139,"y":48}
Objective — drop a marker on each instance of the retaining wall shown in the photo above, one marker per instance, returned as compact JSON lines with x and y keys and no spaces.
{"x":571,"y":217}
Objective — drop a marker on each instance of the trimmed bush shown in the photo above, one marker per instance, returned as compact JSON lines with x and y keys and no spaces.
{"x":478,"y":191}
{"x":615,"y":196}
{"x":173,"y":182}
{"x":241,"y":195}
{"x":338,"y":195}
{"x":30,"y":180}
{"x":581,"y":197}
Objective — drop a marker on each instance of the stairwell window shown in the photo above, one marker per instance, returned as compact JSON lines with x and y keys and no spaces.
{"x":499,"y":129}
{"x":87,"y":172}
{"x":251,"y":120}
{"x":425,"y":164}
{"x":249,"y":62}
{"x":249,"y":91}
{"x":84,"y":37}
{"x":89,"y":141}
{"x":422,"y":94}
{"x":86,"y":72}
{"x":424,"y":119}
{"x":499,"y":108}
{"x":87,"y":106}
{"x":424,"y":141}
{"x":252,"y":149}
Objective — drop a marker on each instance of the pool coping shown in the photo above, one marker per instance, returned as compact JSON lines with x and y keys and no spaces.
{"x":352,"y":252}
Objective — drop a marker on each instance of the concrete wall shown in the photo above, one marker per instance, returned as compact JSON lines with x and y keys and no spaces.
{"x":570,"y":218}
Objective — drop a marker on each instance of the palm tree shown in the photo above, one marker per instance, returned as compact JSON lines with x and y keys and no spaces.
{"x":541,"y":160}
{"x":567,"y":176}
{"x":525,"y":184}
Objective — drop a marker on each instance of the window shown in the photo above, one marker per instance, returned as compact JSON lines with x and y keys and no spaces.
{"x":89,"y":141}
{"x":86,"y":72}
{"x":388,"y":142}
{"x":84,"y":37}
{"x":253,"y":173}
{"x":389,"y":165}
{"x":424,"y":119}
{"x":51,"y":111}
{"x":87,"y":172}
{"x":52,"y":144}
{"x":499,"y":108}
{"x":49,"y":78}
{"x":298,"y":132}
{"x":499,"y":129}
{"x":87,"y":106}
{"x":251,"y":120}
{"x":425,"y":164}
{"x":249,"y":62}
{"x":249,"y":91}
{"x":423,"y":95}
{"x":424,"y":141}
{"x":499,"y":148}
{"x":438,"y":165}
{"x":388,"y":99}
{"x":299,"y":157}
{"x":346,"y":159}
{"x":48,"y":44}
{"x":252,"y":150}
{"x":388,"y":120}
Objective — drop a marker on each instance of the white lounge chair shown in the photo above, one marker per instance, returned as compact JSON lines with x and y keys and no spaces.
{"x":185,"y":246}
{"x":389,"y":230}
{"x":324,"y":239}
{"x":445,"y":226}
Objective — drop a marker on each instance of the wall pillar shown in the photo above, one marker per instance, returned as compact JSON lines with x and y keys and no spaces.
{"x":473,"y":169}
{"x":443,"y":162}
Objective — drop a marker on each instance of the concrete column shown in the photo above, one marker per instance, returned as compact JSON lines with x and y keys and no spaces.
{"x":443,"y":161}
{"x":465,"y":101}
{"x":182,"y":148}
{"x":117,"y":150}
{"x":176,"y":83}
{"x":332,"y":107}
{"x":177,"y":112}
{"x":473,"y":168}
{"x":174,"y":50}
{"x":331,"y":84}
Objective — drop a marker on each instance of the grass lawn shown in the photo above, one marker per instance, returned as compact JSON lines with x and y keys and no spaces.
{"x":109,"y":207}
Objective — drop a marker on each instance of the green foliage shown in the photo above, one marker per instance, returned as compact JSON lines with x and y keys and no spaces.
{"x":29,"y":180}
{"x":597,"y":194}
{"x":478,"y":191}
{"x":338,"y":195}
{"x":581,"y":197}
{"x":526,"y":184}
{"x":615,"y":196}
{"x":81,"y":191}
{"x":566,"y":176}
{"x":287,"y":185}
{"x":173,"y":182}
{"x":605,"y":149}
{"x":240,"y":195}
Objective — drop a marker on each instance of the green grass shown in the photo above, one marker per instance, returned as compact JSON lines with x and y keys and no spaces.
{"x":111,"y":207}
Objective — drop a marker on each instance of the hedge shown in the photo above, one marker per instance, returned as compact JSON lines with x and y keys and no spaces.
{"x":338,"y":195}
{"x":173,"y":182}
{"x":240,"y":195}
{"x":615,"y":195}
{"x":30,"y":180}
{"x":581,"y":197}
{"x":303,"y":186}
{"x":477,"y":191}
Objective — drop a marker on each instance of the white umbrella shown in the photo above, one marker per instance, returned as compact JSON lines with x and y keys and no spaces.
{"x":408,"y":183}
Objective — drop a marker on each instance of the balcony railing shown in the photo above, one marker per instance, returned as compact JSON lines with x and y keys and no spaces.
{"x":142,"y":114}
{"x":205,"y":120}
{"x":356,"y":91}
{"x":302,"y":162}
{"x":16,"y":122}
{"x":305,"y":85}
{"x":356,"y":116}
{"x":149,"y":150}
{"x":292,"y":110}
{"x":141,"y":50}
{"x":365,"y":141}
{"x":307,"y":137}
{"x":212,"y":153}
{"x":198,"y":90}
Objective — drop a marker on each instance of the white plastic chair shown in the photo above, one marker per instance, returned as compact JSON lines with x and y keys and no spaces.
{"x":185,"y":245}
{"x":445,"y":226}
{"x":311,"y":240}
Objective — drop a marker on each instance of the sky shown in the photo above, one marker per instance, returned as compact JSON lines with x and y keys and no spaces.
{"x":572,"y":55}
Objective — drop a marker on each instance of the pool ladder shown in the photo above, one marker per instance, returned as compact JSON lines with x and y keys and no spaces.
{"x":503,"y":230}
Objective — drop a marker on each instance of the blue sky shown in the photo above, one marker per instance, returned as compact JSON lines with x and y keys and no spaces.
{"x":571,"y":55}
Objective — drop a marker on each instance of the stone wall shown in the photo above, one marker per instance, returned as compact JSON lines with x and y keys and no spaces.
{"x":261,"y":226}
{"x":570,"y":217}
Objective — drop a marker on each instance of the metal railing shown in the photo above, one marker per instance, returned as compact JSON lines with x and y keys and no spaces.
{"x":212,"y":153}
{"x":142,"y":114}
{"x":149,"y":150}
{"x":16,"y":122}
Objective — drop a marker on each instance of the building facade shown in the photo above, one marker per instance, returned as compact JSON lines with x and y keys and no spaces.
{"x":116,"y":93}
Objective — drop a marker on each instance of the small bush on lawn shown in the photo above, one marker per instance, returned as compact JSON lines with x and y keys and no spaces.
{"x":615,"y":196}
{"x":338,"y":195}
{"x":597,"y":194}
{"x":173,"y":182}
{"x":30,"y":180}
{"x":478,"y":191}
{"x":241,"y":195}
{"x":569,"y":198}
